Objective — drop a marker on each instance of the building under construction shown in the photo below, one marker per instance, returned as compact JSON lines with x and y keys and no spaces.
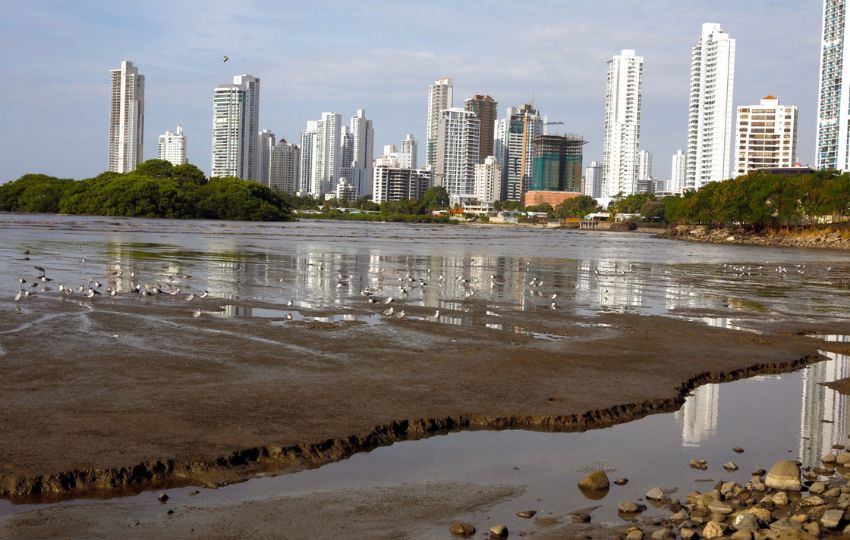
{"x":557,"y":163}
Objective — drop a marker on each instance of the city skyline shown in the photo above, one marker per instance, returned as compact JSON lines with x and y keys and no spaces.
{"x":547,"y":59}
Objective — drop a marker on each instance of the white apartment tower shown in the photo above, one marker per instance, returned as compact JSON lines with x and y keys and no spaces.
{"x":126,"y":118}
{"x":362,"y":154}
{"x":766,"y":136}
{"x":514,"y":148}
{"x":409,"y":148}
{"x":644,"y":165}
{"x":172,"y":147}
{"x":440,"y":98}
{"x":393,"y":182}
{"x":305,"y":173}
{"x":265,"y":143}
{"x":593,"y":180}
{"x":834,"y":95}
{"x":457,"y":153}
{"x":621,"y":130}
{"x":710,"y":107}
{"x":326,"y":162}
{"x":678,"y":171}
{"x":284,"y":166}
{"x":488,"y":181}
{"x":236,"y":117}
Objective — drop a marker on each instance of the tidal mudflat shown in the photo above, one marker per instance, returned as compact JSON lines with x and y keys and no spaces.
{"x":284,"y":364}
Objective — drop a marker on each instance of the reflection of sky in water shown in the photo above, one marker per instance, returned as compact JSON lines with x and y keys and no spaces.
{"x":515,"y":269}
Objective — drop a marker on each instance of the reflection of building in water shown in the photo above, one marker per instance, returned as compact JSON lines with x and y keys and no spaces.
{"x":823,"y":417}
{"x":698,"y":415}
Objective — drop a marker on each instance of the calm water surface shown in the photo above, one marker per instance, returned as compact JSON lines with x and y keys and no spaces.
{"x":325,"y":265}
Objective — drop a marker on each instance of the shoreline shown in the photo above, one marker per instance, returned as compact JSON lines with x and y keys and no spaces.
{"x":811,"y":239}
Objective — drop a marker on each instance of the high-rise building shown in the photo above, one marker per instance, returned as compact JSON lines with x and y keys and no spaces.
{"x":305,"y":174}
{"x":392,"y":182}
{"x":593,"y":180}
{"x":457,"y":153}
{"x":236,"y":119}
{"x":126,"y":118}
{"x":172,"y":147}
{"x":488,"y":181}
{"x":766,"y":136}
{"x":557,"y":163}
{"x":644,"y":165}
{"x":440,"y":98}
{"x":484,"y":108}
{"x":346,"y":153}
{"x":834,"y":94}
{"x":710,"y":107}
{"x":326,"y":161}
{"x":265,"y":143}
{"x":621,"y":133}
{"x":362,"y":153}
{"x":678,"y":172}
{"x":284,"y":167}
{"x":409,"y":148}
{"x":514,"y":142}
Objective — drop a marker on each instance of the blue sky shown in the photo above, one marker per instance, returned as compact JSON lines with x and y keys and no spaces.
{"x":329,"y":55}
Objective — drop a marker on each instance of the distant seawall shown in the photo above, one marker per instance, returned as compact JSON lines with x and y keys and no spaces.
{"x":825,"y":238}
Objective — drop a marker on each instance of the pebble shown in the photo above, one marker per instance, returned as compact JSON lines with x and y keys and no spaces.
{"x":746,"y":521}
{"x":834,"y":492}
{"x":738,"y":450}
{"x":785,"y":525}
{"x":621,"y":481}
{"x":686,"y":533}
{"x":498,"y":531}
{"x":758,"y":472}
{"x":634,"y":533}
{"x":526,"y":514}
{"x":581,"y":517}
{"x":170,"y":511}
{"x":780,"y":498}
{"x":813,"y":500}
{"x":662,"y":534}
{"x":681,"y":515}
{"x":831,"y":519}
{"x":817,"y":488}
{"x":194,"y":492}
{"x":713,"y":529}
{"x":720,"y":508}
{"x":630,"y":507}
{"x":655,"y":494}
{"x":163,"y":497}
{"x":700,"y":464}
{"x":744,"y":534}
{"x":462,"y":529}
{"x":730,"y":466}
{"x":784,"y":475}
{"x":546,"y":521}
{"x":728,"y":487}
{"x":829,"y":458}
{"x":762,"y":513}
{"x":595,"y":481}
{"x":812,"y":528}
{"x":843,"y":458}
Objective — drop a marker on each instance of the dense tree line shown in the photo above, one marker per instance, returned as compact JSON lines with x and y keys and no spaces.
{"x":761,"y":200}
{"x":155,"y":189}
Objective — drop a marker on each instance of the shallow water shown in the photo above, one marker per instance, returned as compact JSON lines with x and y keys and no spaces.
{"x":322,"y":267}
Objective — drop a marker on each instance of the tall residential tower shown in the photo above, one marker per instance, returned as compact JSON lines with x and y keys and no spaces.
{"x":440,"y":98}
{"x":834,"y":95}
{"x":484,"y":108}
{"x":710,"y":107}
{"x":236,"y":119}
{"x":767,"y":136}
{"x":172,"y":147}
{"x":621,"y":134}
{"x":126,"y":118}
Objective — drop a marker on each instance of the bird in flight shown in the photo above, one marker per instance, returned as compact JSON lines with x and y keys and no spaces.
{"x":225,"y":58}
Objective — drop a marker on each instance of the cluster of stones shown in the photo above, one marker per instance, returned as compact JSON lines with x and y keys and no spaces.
{"x":782,"y":503}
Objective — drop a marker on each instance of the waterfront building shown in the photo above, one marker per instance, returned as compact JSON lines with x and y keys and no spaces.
{"x":345,"y":191}
{"x":833,"y":113}
{"x":326,"y":163}
{"x":440,"y":98}
{"x":265,"y":143}
{"x":644,"y":165}
{"x":126,"y":118}
{"x":593,"y":180}
{"x":409,"y":149}
{"x":710,"y":108}
{"x":766,"y":136}
{"x":557,"y":163}
{"x":236,"y":119}
{"x":362,"y":154}
{"x":392,"y":182}
{"x":305,"y":172}
{"x":172,"y":147}
{"x":515,"y":143}
{"x":284,"y":167}
{"x":488,"y":181}
{"x":484,"y":108}
{"x":678,"y":172}
{"x":457,"y":153}
{"x":621,"y":130}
